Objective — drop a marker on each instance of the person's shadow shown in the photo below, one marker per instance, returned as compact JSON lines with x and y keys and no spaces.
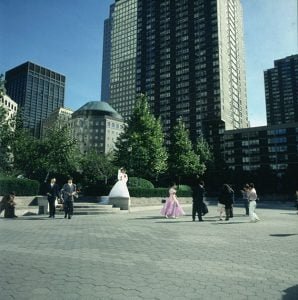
{"x":291,"y":293}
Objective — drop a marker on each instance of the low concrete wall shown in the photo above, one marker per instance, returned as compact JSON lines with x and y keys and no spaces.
{"x":122,"y":202}
{"x":155,"y":201}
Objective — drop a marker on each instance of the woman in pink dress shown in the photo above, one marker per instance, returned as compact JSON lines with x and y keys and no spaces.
{"x":172,"y":207}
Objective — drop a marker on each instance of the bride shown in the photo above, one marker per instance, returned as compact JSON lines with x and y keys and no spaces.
{"x":120,"y":188}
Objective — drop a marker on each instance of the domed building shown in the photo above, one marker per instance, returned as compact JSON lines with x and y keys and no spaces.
{"x":96,"y":125}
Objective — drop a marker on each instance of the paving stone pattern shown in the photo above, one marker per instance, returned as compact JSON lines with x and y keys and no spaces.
{"x":144,"y":256}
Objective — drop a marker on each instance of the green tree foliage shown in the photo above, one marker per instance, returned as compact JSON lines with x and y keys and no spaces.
{"x":204,"y":151}
{"x":5,"y":138}
{"x":36,"y":159}
{"x":96,"y":167}
{"x":140,"y":148}
{"x":183,"y":161}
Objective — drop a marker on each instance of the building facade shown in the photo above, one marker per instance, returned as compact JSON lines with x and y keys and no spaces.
{"x":38,"y":92}
{"x":123,"y":57}
{"x":251,"y":149}
{"x":188,"y":58}
{"x":9,"y":105}
{"x":281,"y":89}
{"x":106,"y":57}
{"x":58,"y":118}
{"x":96,"y":126}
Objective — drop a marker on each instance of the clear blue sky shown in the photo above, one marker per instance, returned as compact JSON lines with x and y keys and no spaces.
{"x":66,"y":36}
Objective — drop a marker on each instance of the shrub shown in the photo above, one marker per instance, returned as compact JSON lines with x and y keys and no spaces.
{"x":140,"y":183}
{"x":22,"y":187}
{"x":183,"y":187}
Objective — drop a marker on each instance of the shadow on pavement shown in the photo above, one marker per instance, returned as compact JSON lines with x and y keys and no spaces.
{"x":229,"y":223}
{"x":291,"y":293}
{"x":283,"y":235}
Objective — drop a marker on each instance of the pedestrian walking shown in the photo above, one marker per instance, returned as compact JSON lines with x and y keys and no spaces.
{"x":245,"y":192}
{"x":226,"y":197}
{"x":198,"y":201}
{"x":69,"y":191}
{"x":252,"y":198}
{"x":172,"y":207}
{"x":52,"y":192}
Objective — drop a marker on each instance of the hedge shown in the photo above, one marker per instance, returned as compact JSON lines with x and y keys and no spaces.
{"x":140,"y":183}
{"x":22,"y":187}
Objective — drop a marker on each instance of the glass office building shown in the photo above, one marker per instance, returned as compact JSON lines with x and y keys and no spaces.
{"x":37,"y":91}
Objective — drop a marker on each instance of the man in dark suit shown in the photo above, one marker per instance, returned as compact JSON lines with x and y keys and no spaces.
{"x":53,"y":194}
{"x":197,"y":201}
{"x":69,"y":191}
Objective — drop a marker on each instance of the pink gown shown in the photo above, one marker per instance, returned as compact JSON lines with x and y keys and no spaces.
{"x":172,"y":207}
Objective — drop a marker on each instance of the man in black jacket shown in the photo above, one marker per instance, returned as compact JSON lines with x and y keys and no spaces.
{"x":197,"y":201}
{"x":53,"y":194}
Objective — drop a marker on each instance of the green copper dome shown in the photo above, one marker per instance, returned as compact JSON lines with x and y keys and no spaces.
{"x":97,"y":108}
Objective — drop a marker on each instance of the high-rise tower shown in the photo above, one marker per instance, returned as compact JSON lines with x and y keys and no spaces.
{"x":38,"y":92}
{"x":281,"y":87}
{"x":187,"y":56}
{"x":106,"y":57}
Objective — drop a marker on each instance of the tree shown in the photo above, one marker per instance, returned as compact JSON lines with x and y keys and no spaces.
{"x":36,"y":159}
{"x":204,"y":151}
{"x":183,"y":161}
{"x":140,"y":148}
{"x":5,"y":137}
{"x":96,"y":166}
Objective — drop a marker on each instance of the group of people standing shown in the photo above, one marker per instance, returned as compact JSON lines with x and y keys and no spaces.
{"x":173,"y":209}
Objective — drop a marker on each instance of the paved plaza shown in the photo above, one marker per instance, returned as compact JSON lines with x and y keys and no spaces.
{"x":141,"y":255}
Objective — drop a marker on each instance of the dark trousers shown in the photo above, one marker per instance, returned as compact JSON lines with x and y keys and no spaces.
{"x":197,"y":209}
{"x":9,"y":211}
{"x":229,"y":211}
{"x":246,"y":205}
{"x":68,"y":208}
{"x":52,"y":206}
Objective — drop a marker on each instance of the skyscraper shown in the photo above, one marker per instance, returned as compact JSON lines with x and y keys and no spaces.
{"x":187,"y":56}
{"x":106,"y":57}
{"x":38,"y":92}
{"x":281,"y":88}
{"x":123,"y":57}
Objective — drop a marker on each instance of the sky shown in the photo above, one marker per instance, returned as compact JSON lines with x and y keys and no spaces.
{"x":66,"y":36}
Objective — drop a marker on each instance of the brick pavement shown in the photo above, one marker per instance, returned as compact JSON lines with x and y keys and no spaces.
{"x":143,"y":256}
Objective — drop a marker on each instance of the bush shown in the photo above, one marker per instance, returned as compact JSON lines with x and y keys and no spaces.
{"x":140,"y":183}
{"x":184,"y":188}
{"x":22,"y":187}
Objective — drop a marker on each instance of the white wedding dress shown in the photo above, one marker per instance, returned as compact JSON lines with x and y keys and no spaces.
{"x":120,"y":188}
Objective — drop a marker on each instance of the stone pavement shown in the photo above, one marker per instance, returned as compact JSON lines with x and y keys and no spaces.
{"x":143,"y":256}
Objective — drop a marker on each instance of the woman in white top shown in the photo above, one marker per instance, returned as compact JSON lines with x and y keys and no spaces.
{"x":252,"y":198}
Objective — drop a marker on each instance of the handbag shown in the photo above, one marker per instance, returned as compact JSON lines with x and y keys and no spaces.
{"x":204,"y":209}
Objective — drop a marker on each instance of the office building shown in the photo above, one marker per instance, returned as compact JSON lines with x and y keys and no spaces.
{"x":96,"y":126}
{"x":106,"y":57}
{"x":57,"y":119}
{"x":187,"y":57}
{"x":9,"y":105}
{"x":273,"y":147}
{"x":281,"y":88}
{"x":38,"y":92}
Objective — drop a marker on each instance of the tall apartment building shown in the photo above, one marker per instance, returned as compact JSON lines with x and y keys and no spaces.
{"x":187,"y":56}
{"x":38,"y":92}
{"x":106,"y":57}
{"x":281,"y":88}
